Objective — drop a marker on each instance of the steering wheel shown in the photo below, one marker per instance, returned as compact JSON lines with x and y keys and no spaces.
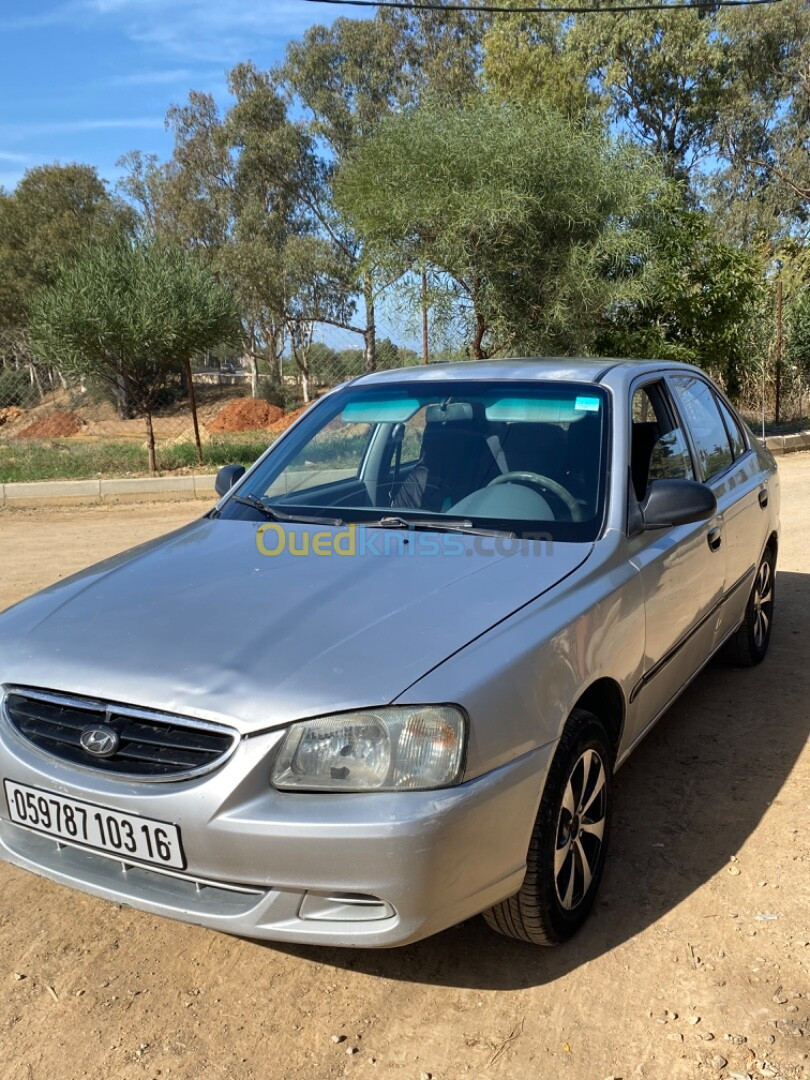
{"x":545,"y":483}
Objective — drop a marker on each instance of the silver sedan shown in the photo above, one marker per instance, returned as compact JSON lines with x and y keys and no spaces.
{"x":384,"y":685}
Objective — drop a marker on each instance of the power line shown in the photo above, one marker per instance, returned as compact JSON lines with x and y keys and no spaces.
{"x":690,"y":5}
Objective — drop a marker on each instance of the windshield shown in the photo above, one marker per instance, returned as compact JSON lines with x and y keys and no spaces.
{"x":528,"y":458}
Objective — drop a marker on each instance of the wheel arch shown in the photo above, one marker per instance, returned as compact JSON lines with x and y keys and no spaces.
{"x":772,"y":544}
{"x":605,"y":699}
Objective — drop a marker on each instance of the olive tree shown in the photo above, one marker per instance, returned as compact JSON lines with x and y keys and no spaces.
{"x":132,"y":314}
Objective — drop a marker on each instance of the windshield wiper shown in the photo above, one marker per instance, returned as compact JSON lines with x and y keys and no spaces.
{"x":279,"y":515}
{"x":439,"y":524}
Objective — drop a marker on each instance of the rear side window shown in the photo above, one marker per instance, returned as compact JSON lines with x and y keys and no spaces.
{"x":699,"y":408}
{"x":737,"y":442}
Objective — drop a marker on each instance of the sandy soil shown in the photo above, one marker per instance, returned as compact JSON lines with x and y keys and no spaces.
{"x":696,"y":963}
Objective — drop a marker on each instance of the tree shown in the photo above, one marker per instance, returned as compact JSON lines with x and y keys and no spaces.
{"x":239,"y":190}
{"x":130,"y":314}
{"x":438,"y":53}
{"x":347,"y":77}
{"x":53,"y":212}
{"x":314,"y":292}
{"x":662,"y":76}
{"x":536,"y":225}
{"x":762,"y":192}
{"x":530,"y":59}
{"x":702,"y":300}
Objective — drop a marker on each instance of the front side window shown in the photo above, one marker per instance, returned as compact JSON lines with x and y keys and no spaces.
{"x":698,"y":405}
{"x":522,"y":457}
{"x":658,"y":449}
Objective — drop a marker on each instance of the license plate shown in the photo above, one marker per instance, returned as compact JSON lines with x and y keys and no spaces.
{"x":132,"y":838}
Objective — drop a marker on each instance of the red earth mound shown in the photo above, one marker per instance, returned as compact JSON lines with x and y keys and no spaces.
{"x":59,"y":424}
{"x":247,"y":414}
{"x":284,"y":421}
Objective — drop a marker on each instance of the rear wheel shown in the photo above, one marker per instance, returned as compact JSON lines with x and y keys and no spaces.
{"x":569,"y":841}
{"x":749,"y":645}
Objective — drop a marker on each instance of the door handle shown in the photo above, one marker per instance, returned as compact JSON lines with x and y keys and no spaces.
{"x":763,"y":497}
{"x":714,"y":538}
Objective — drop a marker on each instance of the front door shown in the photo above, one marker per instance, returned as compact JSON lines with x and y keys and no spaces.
{"x":682,"y":569}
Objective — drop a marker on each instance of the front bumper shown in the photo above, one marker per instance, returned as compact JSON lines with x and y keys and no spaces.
{"x":368,"y":870}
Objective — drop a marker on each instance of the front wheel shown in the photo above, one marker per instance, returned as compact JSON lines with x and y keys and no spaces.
{"x":749,"y":644}
{"x":569,"y":840}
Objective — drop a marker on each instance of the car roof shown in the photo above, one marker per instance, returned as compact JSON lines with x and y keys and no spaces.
{"x":571,"y":369}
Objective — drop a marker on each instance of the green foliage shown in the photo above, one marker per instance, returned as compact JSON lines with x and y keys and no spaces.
{"x":538,"y":223}
{"x":798,"y":334}
{"x":131,"y":315}
{"x":702,"y":299}
{"x":475,"y":147}
{"x":347,"y":76}
{"x":52,"y":214}
{"x":531,"y":60}
{"x":761,"y":192}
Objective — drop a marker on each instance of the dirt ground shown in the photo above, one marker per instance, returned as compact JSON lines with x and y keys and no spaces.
{"x":696,"y":963}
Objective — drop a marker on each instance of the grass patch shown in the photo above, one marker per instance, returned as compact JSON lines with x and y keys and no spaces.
{"x":26,"y":460}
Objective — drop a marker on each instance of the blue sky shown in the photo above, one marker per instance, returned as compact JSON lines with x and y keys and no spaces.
{"x":87,"y":80}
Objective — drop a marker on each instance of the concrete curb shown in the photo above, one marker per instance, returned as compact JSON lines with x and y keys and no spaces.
{"x":788,"y":444}
{"x":123,"y":490}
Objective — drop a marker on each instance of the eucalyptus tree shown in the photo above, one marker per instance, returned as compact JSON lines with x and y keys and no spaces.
{"x":131,"y":314}
{"x":530,"y":59}
{"x":439,"y":50}
{"x":347,"y":78}
{"x":762,"y":192}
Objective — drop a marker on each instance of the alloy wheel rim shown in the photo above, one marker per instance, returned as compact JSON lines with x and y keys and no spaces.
{"x":763,"y":604}
{"x":580,"y":830}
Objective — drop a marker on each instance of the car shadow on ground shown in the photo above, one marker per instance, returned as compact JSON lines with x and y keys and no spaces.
{"x":686,"y":801}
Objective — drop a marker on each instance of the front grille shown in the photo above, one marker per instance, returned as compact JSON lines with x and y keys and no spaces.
{"x":150,"y":745}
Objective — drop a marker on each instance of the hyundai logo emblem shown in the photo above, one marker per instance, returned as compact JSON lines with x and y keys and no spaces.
{"x":100,"y":741}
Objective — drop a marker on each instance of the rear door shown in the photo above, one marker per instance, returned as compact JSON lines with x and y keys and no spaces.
{"x":732,"y":470}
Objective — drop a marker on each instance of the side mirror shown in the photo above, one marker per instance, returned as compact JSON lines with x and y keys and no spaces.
{"x":677,"y":502}
{"x":227,"y":477}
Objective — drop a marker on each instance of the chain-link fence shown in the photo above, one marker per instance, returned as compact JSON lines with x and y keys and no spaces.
{"x":51,"y":428}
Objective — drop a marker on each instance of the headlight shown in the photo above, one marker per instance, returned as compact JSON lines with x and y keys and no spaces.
{"x":407,"y":748}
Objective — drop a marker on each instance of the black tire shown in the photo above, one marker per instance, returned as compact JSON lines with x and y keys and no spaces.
{"x":538,"y":913}
{"x":749,"y":644}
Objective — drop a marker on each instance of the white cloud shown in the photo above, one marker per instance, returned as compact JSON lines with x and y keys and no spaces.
{"x":15,"y":159}
{"x":19,"y":132}
{"x":153,"y":78}
{"x":219,"y":31}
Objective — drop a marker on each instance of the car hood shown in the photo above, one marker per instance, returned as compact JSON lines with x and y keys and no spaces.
{"x":200,"y":623}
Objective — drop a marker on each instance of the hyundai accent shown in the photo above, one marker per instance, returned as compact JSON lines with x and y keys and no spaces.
{"x":385,"y":683}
